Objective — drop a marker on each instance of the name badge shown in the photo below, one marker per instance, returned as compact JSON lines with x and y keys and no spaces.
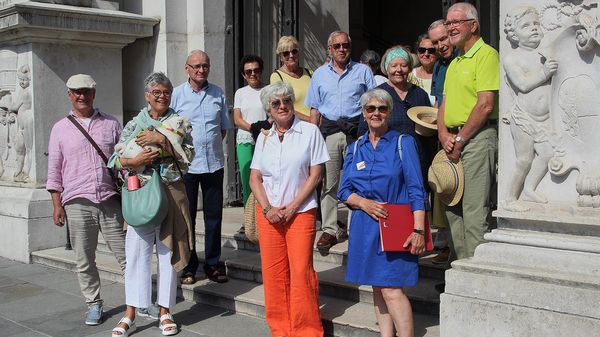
{"x":361,"y":165}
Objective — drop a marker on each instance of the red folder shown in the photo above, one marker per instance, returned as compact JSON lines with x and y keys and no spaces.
{"x":398,"y":226}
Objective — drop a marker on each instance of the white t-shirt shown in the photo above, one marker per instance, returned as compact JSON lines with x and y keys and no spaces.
{"x":285,"y":165}
{"x":424,"y":83}
{"x":247,"y":99}
{"x":380,"y":79}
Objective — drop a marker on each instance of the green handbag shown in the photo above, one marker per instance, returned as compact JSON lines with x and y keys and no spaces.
{"x":146,"y":206}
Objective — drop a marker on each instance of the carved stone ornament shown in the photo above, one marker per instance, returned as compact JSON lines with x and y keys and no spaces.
{"x":16,"y":120}
{"x":553,"y":76}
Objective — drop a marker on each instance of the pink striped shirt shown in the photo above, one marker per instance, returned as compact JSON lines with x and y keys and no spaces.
{"x":74,"y":167}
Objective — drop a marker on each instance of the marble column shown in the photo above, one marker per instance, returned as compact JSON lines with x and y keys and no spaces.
{"x":539,"y":272}
{"x":41,"y":45}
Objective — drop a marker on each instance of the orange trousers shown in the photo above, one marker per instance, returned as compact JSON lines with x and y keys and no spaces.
{"x":289,"y":279}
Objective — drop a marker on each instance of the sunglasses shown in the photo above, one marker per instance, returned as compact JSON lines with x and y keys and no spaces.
{"x":337,"y":46}
{"x":287,"y":52}
{"x":277,"y":103}
{"x":157,"y":93}
{"x":381,"y":108}
{"x":422,"y":50}
{"x":249,"y":72}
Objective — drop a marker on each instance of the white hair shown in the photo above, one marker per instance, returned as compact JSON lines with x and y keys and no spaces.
{"x":336,"y":33}
{"x":469,"y":10}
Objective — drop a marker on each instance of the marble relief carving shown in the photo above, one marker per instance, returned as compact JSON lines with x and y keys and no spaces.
{"x":16,"y":120}
{"x":553,"y":73}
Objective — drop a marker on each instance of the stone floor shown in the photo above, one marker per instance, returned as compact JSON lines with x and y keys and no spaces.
{"x":36,"y":300}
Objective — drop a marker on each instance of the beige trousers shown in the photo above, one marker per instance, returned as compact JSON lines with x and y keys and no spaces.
{"x":85,"y":220}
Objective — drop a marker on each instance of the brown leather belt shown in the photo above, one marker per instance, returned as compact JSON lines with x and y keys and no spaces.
{"x":489,"y":122}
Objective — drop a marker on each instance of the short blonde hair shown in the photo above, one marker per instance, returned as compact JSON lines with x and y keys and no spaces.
{"x":287,"y":43}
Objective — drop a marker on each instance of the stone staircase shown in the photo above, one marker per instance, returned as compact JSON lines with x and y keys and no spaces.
{"x":346,"y":309}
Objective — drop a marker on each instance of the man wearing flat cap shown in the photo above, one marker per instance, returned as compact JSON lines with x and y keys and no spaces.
{"x":83,"y":191}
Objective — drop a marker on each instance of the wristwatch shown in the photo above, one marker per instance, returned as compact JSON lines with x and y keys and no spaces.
{"x":460,"y":140}
{"x":266,"y":210}
{"x":419,"y":231}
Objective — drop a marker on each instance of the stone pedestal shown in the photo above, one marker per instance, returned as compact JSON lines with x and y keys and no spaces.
{"x":539,"y":273}
{"x":41,"y":46}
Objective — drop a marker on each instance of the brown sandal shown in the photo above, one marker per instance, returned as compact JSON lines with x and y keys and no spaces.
{"x":188,"y":279}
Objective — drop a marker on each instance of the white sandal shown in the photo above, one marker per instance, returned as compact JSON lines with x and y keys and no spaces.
{"x":124,"y":332}
{"x":164,"y":327}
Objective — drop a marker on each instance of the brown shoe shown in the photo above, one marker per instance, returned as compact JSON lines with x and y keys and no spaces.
{"x":215,"y":274}
{"x":442,"y":257}
{"x":326,"y":241}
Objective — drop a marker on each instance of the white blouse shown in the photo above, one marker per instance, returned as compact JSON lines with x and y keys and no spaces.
{"x":285,"y":164}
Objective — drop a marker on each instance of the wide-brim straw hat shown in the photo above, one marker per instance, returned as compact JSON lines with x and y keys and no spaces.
{"x":425,"y":118}
{"x":447,"y":179}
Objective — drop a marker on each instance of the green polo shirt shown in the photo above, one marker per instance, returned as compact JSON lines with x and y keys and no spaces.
{"x":477,"y":70}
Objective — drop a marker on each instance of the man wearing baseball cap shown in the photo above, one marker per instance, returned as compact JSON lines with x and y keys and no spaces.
{"x":83,"y":191}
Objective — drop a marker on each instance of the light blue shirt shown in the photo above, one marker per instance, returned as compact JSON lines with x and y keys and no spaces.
{"x":335,"y":95}
{"x":207,"y":111}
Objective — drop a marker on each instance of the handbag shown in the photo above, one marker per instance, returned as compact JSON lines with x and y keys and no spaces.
{"x":250,"y":227}
{"x":146,"y":206}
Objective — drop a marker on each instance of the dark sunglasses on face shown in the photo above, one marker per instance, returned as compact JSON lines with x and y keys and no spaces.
{"x":249,"y":72}
{"x":422,"y":50}
{"x":157,"y":93}
{"x":287,"y":52}
{"x":337,"y":46}
{"x":277,"y":103}
{"x":381,"y":108}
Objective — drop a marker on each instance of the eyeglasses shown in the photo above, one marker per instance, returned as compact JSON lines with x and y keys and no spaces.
{"x":277,"y":103}
{"x":337,"y":46}
{"x":199,"y":66}
{"x":422,"y":50}
{"x":456,"y":23}
{"x":249,"y":72}
{"x":157,"y":93}
{"x":287,"y":52}
{"x":81,"y":92}
{"x":381,"y":108}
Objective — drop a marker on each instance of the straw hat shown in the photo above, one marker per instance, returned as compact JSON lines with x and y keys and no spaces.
{"x":447,"y":179}
{"x":425,"y":118}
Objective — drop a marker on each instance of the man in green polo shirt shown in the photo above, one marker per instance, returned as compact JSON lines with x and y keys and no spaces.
{"x":467,"y":125}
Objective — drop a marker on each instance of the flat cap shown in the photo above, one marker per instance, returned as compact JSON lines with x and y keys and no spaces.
{"x":81,"y":81}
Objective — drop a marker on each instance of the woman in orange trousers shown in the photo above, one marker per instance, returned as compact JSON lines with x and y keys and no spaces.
{"x":285,"y":171}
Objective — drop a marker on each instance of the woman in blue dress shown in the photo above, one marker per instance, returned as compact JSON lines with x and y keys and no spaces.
{"x":374,"y":174}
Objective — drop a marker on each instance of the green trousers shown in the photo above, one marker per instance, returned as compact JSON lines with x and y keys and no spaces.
{"x":244,"y":155}
{"x":468,"y":219}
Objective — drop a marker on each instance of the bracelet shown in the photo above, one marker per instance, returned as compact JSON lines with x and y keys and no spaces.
{"x":419,"y":231}
{"x":266,"y":210}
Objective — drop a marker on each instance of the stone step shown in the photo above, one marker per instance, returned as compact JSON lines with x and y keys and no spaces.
{"x":337,"y":254}
{"x":245,"y":265}
{"x":230,"y":238}
{"x":340,"y":317}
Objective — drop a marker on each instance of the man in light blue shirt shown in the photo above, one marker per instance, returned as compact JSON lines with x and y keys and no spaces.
{"x":203,"y":104}
{"x":333,"y":96}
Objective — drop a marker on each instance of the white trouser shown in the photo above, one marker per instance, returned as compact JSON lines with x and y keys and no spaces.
{"x":138,"y":271}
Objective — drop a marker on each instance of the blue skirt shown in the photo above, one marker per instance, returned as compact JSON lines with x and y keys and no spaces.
{"x":368,"y":265}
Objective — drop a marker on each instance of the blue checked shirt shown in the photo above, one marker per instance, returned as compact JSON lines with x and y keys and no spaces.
{"x":337,"y":96}
{"x":207,"y":111}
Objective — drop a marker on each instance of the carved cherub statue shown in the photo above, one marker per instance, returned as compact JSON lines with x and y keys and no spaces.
{"x":22,"y":106}
{"x":528,"y":73}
